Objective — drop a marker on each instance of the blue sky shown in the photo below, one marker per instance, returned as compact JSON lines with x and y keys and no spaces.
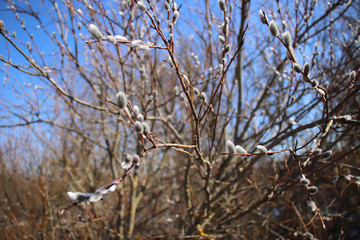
{"x":45,"y":45}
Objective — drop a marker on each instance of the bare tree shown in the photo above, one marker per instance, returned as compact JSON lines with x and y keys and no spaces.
{"x":211,"y":120}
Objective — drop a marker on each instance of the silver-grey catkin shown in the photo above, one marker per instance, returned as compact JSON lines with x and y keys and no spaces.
{"x":317,"y":151}
{"x":326,"y":154}
{"x":261,"y":149}
{"x":176,"y":15}
{"x":313,"y":190}
{"x":304,"y":181}
{"x":287,"y":39}
{"x":311,"y":205}
{"x":274,"y":28}
{"x":146,"y":128}
{"x":136,"y":111}
{"x":120,"y":38}
{"x":141,"y":6}
{"x":111,"y":39}
{"x":144,"y":47}
{"x":155,"y":93}
{"x":227,"y":48}
{"x":306,"y":69}
{"x":314,"y":82}
{"x":167,"y":6}
{"x":221,"y":39}
{"x":138,"y":126}
{"x":240,"y":149}
{"x":297,"y":68}
{"x":136,"y":160}
{"x":203,"y":96}
{"x":230,"y":147}
{"x":263,"y":17}
{"x":292,"y":98}
{"x":140,"y":118}
{"x":121,"y":100}
{"x":127,"y":158}
{"x":196,"y":91}
{"x":222,"y":5}
{"x":95,"y":32}
{"x":352,"y":75}
{"x":136,"y":43}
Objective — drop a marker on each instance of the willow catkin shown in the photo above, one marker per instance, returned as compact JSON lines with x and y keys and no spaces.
{"x":95,"y":32}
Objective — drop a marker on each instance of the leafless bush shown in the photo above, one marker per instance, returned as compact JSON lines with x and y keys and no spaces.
{"x":215,"y":119}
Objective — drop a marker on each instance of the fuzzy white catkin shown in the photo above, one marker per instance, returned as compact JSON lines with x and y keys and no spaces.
{"x":138,"y":126}
{"x":144,"y":47}
{"x":261,"y":149}
{"x":311,"y":205}
{"x":171,"y":63}
{"x":170,"y":118}
{"x":121,"y":100}
{"x":227,"y":48}
{"x":120,"y":38}
{"x":274,"y":28}
{"x":240,"y":149}
{"x":167,"y":6}
{"x":77,"y":197}
{"x":230,"y":147}
{"x":263,"y":17}
{"x":95,"y":32}
{"x":196,"y":91}
{"x":176,"y":15}
{"x":140,"y":117}
{"x":127,"y":158}
{"x":125,"y":165}
{"x":313,"y":190}
{"x":306,"y":69}
{"x":141,"y":6}
{"x":326,"y":154}
{"x":95,"y":197}
{"x":287,"y":38}
{"x":136,"y":43}
{"x":314,"y":82}
{"x":317,"y":151}
{"x":136,"y":159}
{"x":111,"y":39}
{"x":319,"y":90}
{"x":221,"y":39}
{"x":352,"y":75}
{"x":297,"y":68}
{"x":222,"y":5}
{"x":146,"y":128}
{"x":203,"y":96}
{"x":304,"y":181}
{"x":136,"y":111}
